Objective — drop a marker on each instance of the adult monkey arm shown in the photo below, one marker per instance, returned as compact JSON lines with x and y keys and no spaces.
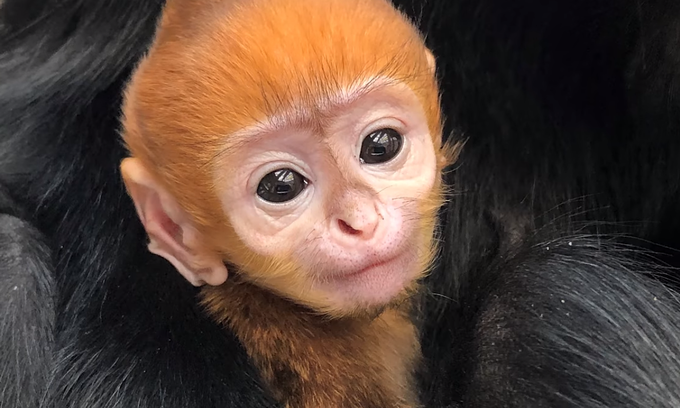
{"x":27,"y":309}
{"x":568,"y":322}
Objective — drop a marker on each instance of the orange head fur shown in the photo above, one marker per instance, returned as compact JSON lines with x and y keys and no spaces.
{"x":218,"y":67}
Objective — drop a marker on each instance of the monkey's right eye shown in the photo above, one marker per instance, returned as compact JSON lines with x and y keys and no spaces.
{"x":381,"y":146}
{"x":281,"y":185}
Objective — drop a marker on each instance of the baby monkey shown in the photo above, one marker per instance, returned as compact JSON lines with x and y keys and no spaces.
{"x":286,"y":155}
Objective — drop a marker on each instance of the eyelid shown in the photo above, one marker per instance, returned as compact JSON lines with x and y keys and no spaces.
{"x":382,"y":123}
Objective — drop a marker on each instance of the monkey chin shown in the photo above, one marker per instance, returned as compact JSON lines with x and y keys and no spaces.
{"x":367,"y":293}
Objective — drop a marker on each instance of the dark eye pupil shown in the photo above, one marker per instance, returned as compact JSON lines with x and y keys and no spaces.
{"x":380,"y":146}
{"x":281,"y":185}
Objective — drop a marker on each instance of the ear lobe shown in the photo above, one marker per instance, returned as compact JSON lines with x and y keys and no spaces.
{"x":207,"y":271}
{"x":171,"y":234}
{"x":431,"y":61}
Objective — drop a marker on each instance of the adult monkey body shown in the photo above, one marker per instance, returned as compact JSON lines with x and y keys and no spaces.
{"x":561,"y":324}
{"x":308,"y":157}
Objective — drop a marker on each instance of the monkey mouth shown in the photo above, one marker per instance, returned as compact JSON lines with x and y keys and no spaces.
{"x":395,"y":259}
{"x":368,"y":268}
{"x":374,"y":283}
{"x":353,"y":272}
{"x":377,"y":267}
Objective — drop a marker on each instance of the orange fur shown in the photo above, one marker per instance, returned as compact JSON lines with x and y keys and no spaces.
{"x":234,"y":65}
{"x":300,"y":53}
{"x":310,"y":361}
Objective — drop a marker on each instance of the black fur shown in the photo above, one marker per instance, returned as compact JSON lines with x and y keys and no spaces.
{"x":564,"y":323}
{"x":26,"y":309}
{"x":571,"y":114}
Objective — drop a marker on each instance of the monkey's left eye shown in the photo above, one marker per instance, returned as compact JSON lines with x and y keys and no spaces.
{"x":380,"y":146}
{"x":281,"y":185}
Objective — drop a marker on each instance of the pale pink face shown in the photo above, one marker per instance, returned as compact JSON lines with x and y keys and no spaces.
{"x":341,"y":198}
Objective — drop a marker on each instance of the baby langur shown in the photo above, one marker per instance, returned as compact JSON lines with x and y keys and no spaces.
{"x":287,"y":155}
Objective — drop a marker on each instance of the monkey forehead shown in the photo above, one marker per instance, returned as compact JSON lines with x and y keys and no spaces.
{"x":253,"y":59}
{"x":323,"y":114}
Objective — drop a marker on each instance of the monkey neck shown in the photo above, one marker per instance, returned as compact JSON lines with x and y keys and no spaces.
{"x":311,"y":361}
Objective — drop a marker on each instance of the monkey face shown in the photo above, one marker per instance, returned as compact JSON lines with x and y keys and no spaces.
{"x":338,"y":209}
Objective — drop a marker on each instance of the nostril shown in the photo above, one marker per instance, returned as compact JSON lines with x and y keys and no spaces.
{"x":344,"y":227}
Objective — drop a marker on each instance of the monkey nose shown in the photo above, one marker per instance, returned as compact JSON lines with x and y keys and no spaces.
{"x":347,"y":229}
{"x":359,"y":222}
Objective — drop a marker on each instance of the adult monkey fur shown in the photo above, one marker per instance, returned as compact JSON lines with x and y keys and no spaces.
{"x":556,"y":78}
{"x":308,"y":156}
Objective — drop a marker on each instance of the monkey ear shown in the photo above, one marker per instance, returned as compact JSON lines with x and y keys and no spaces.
{"x":431,"y":61}
{"x":169,"y":227}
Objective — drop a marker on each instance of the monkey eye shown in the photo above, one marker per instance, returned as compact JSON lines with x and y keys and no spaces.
{"x":281,"y":185}
{"x":380,"y":146}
